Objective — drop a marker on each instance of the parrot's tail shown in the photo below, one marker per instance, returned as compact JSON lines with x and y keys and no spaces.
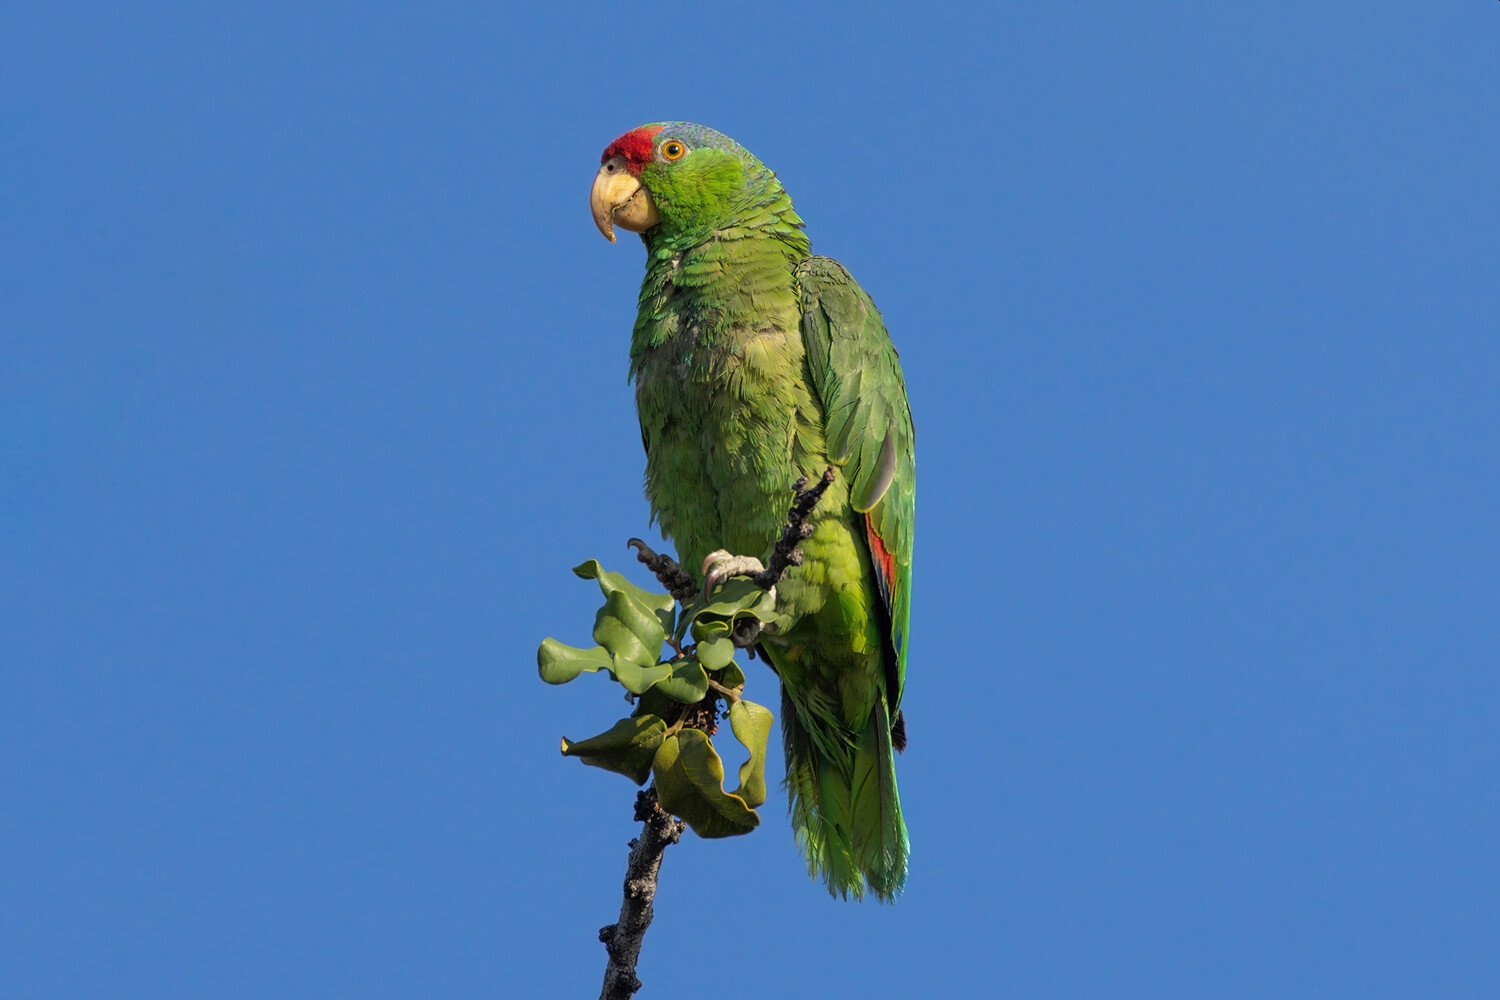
{"x":846,"y":812}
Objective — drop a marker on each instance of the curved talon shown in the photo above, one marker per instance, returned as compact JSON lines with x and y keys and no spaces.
{"x":720,"y":565}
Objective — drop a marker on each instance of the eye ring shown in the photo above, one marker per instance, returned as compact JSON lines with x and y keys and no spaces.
{"x":673,"y":150}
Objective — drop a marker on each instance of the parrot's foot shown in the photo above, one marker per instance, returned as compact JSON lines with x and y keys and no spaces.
{"x":720,"y":565}
{"x":671,"y":575}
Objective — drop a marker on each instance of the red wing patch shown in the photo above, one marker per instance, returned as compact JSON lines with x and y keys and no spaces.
{"x":886,"y":579}
{"x":885,"y":563}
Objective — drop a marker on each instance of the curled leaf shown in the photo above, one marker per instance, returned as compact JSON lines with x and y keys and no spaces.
{"x":752,"y":727}
{"x":638,"y":679}
{"x":559,"y":663}
{"x":688,"y":683}
{"x":629,"y":630}
{"x":690,"y":783}
{"x":709,"y":629}
{"x":736,"y":596}
{"x":732,"y":677}
{"x":628,"y":747}
{"x":659,"y":604}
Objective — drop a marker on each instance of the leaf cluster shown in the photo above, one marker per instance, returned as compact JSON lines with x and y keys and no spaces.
{"x":676,"y":663}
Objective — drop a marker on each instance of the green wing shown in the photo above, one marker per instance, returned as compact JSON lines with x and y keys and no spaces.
{"x":868,"y":429}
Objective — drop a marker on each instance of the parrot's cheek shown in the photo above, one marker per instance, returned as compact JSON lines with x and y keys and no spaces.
{"x":619,"y":199}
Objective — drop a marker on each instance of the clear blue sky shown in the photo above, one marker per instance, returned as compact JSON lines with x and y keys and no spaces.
{"x":312,"y":387}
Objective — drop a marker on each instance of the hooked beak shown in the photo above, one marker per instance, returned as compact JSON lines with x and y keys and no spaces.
{"x":618,"y":199}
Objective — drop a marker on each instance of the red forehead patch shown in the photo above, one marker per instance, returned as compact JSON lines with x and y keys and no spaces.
{"x":636,"y":146}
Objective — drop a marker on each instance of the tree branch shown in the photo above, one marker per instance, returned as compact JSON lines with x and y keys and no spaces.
{"x":796,"y":530}
{"x":623,"y":939}
{"x":671,"y":575}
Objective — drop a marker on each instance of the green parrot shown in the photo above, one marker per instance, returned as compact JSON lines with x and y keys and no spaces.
{"x":756,"y":363}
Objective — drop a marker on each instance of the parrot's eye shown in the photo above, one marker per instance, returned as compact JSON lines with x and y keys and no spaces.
{"x":672,"y":150}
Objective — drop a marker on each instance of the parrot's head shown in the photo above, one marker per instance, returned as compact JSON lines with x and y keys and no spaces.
{"x":677,"y":183}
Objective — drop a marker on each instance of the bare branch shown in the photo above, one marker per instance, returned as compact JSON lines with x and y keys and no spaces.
{"x":623,"y":939}
{"x":671,"y":575}
{"x":786,"y":554}
{"x":795,"y":531}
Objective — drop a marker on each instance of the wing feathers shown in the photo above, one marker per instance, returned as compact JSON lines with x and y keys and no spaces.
{"x":867,"y":429}
{"x":883,"y":474}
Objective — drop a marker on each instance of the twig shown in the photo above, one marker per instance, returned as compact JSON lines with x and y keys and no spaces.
{"x":668,"y":572}
{"x":623,"y":939}
{"x":795,"y":531}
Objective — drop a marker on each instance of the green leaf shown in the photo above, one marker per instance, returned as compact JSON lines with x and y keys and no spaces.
{"x":660,"y":605}
{"x":732,"y":677}
{"x":639,"y":680}
{"x":716,"y":654}
{"x":709,"y":629}
{"x":690,"y":783}
{"x":558,"y":663}
{"x":629,"y":630}
{"x":752,"y":727}
{"x":739,"y":595}
{"x":688,"y":683}
{"x":628,"y":748}
{"x":653,"y":702}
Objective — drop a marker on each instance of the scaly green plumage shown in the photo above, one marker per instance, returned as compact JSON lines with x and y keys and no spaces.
{"x":756,"y":363}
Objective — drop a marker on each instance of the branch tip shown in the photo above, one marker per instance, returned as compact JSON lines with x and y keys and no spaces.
{"x":668,"y":573}
{"x":797,"y":529}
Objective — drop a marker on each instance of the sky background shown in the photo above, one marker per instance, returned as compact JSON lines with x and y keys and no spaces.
{"x":313,"y":387}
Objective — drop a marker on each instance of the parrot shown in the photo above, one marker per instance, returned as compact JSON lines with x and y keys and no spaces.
{"x":756,"y":364}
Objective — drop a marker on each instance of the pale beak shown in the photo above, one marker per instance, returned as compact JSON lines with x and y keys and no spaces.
{"x":618,"y":199}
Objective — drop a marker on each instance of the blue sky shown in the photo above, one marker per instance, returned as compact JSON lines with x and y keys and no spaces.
{"x":312,"y":388}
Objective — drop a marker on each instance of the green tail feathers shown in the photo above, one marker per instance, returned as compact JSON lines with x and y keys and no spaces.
{"x":845,"y":808}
